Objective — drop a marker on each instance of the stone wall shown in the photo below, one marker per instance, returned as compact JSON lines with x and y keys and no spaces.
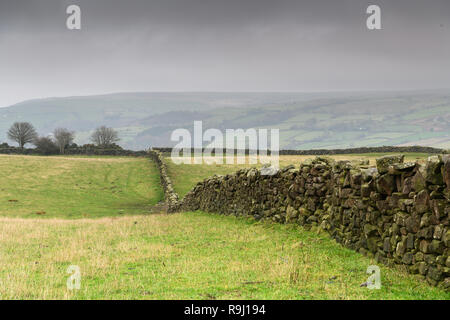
{"x":170,"y":196}
{"x":78,"y":150}
{"x":382,"y":149}
{"x":397,"y":213}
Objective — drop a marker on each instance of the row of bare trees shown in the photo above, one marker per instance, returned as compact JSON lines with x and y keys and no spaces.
{"x":24,"y":132}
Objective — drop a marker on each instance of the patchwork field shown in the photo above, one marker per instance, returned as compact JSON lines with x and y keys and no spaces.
{"x":76,"y":187}
{"x":186,"y":176}
{"x":124,"y":251}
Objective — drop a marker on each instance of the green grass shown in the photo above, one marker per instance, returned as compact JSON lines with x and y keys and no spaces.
{"x":76,"y":187}
{"x":185,"y":176}
{"x":187,"y":256}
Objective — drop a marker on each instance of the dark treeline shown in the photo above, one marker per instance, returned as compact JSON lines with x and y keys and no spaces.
{"x":74,"y":149}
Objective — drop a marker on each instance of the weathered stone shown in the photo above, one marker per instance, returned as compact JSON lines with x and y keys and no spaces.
{"x":418,"y":257}
{"x":438,"y":232}
{"x":413,"y":269}
{"x":440,"y":260}
{"x":446,"y":239}
{"x":407,"y":186}
{"x":436,"y":246}
{"x":387,"y":245}
{"x":399,"y":168}
{"x":386,"y":184}
{"x":365,"y":190}
{"x":407,"y":258}
{"x":369,"y":174}
{"x":291,"y":214}
{"x":410,"y":241}
{"x":446,"y":169}
{"x":423,"y":268}
{"x":425,"y":220}
{"x":304,"y":212}
{"x":372,"y":244}
{"x":383,"y":163}
{"x":268,"y":170}
{"x":424,"y":246}
{"x":422,"y":201}
{"x":370,"y":230}
{"x":418,"y":181}
{"x":400,"y":250}
{"x":412,"y":224}
{"x":425,"y":233}
{"x":430,"y":259}
{"x":355,"y":178}
{"x":439,"y":207}
{"x":434,"y":273}
{"x":446,"y":284}
{"x":433,"y":170}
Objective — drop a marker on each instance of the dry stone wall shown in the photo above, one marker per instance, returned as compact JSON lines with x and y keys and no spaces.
{"x":381,"y":149}
{"x":397,"y":212}
{"x":170,"y":196}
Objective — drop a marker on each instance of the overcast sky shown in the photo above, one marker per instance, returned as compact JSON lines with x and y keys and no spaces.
{"x":220,"y":45}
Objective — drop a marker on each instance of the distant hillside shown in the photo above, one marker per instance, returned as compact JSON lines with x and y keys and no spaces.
{"x":305,"y":120}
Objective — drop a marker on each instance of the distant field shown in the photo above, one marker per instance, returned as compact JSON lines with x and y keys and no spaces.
{"x":185,"y":176}
{"x":187,"y":256}
{"x":77,"y":187}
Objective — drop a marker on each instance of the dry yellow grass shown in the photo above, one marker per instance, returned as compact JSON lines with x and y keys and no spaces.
{"x":36,"y":253}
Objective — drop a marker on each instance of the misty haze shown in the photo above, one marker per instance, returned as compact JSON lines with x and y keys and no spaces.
{"x":369,"y":87}
{"x":306,"y":121}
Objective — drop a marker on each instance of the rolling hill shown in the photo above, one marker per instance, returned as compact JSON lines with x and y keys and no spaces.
{"x":305,"y":120}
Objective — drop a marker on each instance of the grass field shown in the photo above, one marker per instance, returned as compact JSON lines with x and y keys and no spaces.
{"x":185,"y":176}
{"x":123,"y":252}
{"x":76,"y":187}
{"x":187,"y":256}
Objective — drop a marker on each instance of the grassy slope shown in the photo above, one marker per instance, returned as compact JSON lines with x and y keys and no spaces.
{"x":75,"y":187}
{"x":187,"y":256}
{"x":185,"y":176}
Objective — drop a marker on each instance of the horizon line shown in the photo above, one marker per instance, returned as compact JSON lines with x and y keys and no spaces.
{"x":229,"y":92}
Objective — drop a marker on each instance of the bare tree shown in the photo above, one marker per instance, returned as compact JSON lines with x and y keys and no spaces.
{"x":63,"y":138}
{"x":104,"y":136}
{"x":22,"y":133}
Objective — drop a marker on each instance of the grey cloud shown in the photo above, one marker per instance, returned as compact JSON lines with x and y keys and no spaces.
{"x":212,"y":45}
